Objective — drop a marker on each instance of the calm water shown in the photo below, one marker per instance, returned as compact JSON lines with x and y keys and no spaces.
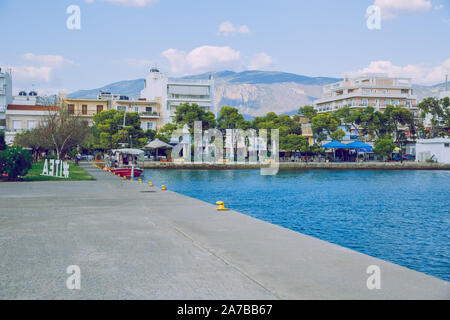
{"x":399,"y":216}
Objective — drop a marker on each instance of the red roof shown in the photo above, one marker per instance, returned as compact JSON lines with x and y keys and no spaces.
{"x":32,"y":108}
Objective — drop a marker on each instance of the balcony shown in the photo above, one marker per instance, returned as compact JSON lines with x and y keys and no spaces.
{"x":150,"y":114}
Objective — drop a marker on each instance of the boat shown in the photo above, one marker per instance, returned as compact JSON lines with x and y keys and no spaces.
{"x":126,"y":162}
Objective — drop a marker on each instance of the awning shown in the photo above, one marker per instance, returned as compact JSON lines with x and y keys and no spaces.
{"x":361,"y":146}
{"x":157,"y":144}
{"x":135,"y":152}
{"x":334,"y":145}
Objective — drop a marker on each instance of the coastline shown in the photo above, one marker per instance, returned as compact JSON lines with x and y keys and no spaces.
{"x":299,"y":166}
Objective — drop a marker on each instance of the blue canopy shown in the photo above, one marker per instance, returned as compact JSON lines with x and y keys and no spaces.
{"x":360,"y":146}
{"x":335,"y":145}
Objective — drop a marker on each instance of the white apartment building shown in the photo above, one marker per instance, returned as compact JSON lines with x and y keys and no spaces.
{"x":5,"y":96}
{"x":175,"y":92}
{"x":376,"y":90}
{"x":25,"y":113}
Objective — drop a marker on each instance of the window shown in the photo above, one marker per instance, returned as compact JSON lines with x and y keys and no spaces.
{"x":446,"y":145}
{"x":395,"y":102}
{"x":148,"y":109}
{"x":365,"y":102}
{"x":388,"y":102}
{"x":99,"y":109}
{"x":149,"y":125}
{"x":121,"y":108}
{"x":71,"y":108}
{"x":31,"y":124}
{"x":17,"y":124}
{"x":84,"y":109}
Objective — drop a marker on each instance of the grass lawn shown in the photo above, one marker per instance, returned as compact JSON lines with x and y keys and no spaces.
{"x":75,"y":174}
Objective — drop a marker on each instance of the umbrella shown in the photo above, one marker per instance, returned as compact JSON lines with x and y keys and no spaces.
{"x":334,"y":145}
{"x":158,"y":144}
{"x":360,"y":146}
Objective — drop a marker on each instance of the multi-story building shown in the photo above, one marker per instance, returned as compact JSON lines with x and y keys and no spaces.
{"x":376,"y":90}
{"x":85,"y":108}
{"x":149,"y":111}
{"x":174,"y":92}
{"x":25,"y":114}
{"x":5,"y":96}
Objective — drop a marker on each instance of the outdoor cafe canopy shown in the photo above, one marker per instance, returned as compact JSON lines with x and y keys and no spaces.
{"x":360,"y":146}
{"x":157,"y":144}
{"x":335,"y":145}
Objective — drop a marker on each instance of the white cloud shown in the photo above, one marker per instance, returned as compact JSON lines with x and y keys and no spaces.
{"x":391,"y":8}
{"x":47,"y":60}
{"x":30,"y":73}
{"x":227,"y":28}
{"x":439,"y":7}
{"x":420,"y":74}
{"x":260,"y":61}
{"x":133,"y":3}
{"x":202,"y":59}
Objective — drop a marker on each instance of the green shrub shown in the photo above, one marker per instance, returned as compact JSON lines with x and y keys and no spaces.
{"x":15,"y":162}
{"x":2,"y":141}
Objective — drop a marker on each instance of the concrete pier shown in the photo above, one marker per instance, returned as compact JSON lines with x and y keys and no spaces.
{"x":132,"y":241}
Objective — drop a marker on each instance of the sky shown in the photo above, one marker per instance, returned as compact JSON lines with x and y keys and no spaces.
{"x":122,"y":39}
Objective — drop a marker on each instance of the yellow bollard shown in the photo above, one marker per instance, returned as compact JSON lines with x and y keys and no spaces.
{"x":163,"y":187}
{"x":124,"y":177}
{"x":221,"y":207}
{"x":150,"y":184}
{"x":140,"y":180}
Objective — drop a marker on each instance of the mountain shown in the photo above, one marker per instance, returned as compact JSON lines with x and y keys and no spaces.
{"x":254,"y":93}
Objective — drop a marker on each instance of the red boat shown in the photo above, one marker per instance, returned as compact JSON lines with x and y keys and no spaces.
{"x":125,"y":162}
{"x":127,"y":172}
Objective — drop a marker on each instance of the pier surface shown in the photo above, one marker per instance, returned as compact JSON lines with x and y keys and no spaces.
{"x":132,"y":241}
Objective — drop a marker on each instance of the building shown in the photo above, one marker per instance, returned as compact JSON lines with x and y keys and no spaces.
{"x":149,"y":111}
{"x":5,"y":96}
{"x":85,"y":108}
{"x":376,"y":90}
{"x":175,"y":92}
{"x":433,"y":149}
{"x":25,"y":114}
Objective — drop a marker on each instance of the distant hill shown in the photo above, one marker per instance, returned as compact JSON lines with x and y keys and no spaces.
{"x":254,"y":93}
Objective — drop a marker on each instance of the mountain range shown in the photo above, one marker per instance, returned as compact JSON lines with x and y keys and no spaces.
{"x":254,"y":93}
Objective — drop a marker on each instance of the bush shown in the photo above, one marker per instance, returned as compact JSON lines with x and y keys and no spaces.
{"x":2,"y":141}
{"x":15,"y":162}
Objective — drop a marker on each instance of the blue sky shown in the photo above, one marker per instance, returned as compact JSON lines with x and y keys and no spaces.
{"x":121,"y":39}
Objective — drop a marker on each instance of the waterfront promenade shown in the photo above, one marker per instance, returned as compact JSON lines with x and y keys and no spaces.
{"x":136,"y":242}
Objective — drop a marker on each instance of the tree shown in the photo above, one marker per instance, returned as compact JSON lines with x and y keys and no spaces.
{"x":189,"y":113}
{"x":2,"y":141}
{"x":15,"y":162}
{"x":398,"y":121}
{"x":109,"y":132}
{"x":36,"y":139}
{"x":293,"y":142}
{"x":64,"y":130}
{"x":384,"y":146}
{"x":337,"y":135}
{"x":439,"y":113}
{"x":324,"y":122}
{"x":308,"y":112}
{"x":229,"y":118}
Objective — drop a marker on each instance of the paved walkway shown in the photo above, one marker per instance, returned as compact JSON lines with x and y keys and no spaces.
{"x":136,"y":242}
